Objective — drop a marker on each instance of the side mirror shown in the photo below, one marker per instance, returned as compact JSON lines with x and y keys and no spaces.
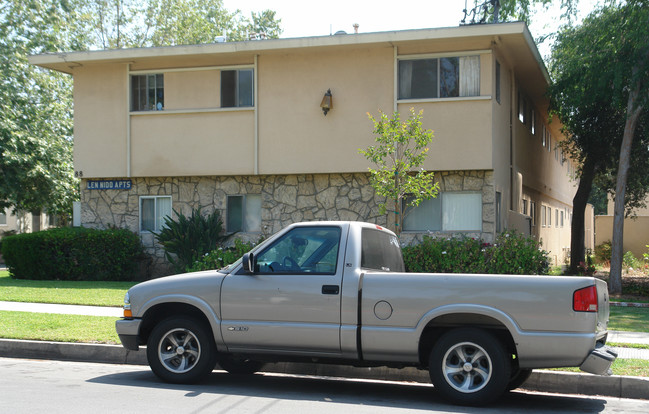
{"x":248,"y":262}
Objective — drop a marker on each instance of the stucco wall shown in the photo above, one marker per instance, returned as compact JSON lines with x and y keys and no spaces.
{"x":636,"y":233}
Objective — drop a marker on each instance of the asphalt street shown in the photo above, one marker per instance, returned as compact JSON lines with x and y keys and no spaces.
{"x":73,"y":387}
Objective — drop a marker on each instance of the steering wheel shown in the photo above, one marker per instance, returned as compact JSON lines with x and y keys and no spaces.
{"x":292,"y":264}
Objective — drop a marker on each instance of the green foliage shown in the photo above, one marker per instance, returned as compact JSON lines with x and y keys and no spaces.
{"x":221,"y":257}
{"x":603,"y":252}
{"x":118,"y":24}
{"x":74,"y":254}
{"x":512,"y":253}
{"x":586,"y":268}
{"x":401,"y":150}
{"x":35,"y":108}
{"x":187,"y":239}
{"x":630,"y":261}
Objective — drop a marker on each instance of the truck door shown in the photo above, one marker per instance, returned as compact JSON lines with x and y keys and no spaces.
{"x":291,"y":301}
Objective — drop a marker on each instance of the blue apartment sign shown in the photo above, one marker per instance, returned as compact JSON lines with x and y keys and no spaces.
{"x":109,"y":184}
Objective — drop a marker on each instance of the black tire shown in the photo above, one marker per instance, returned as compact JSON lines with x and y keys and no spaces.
{"x":469,"y":366}
{"x":181,"y":350}
{"x":239,"y":365}
{"x":518,"y":378}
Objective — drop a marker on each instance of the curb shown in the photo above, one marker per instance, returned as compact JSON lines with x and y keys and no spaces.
{"x":542,"y":381}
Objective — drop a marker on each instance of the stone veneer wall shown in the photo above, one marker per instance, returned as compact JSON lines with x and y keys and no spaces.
{"x":285,"y":200}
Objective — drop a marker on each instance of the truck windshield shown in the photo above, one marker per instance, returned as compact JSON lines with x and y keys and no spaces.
{"x":381,"y":251}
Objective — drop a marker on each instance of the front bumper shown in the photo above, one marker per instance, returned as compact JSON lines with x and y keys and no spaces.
{"x":599,"y":361}
{"x":128,"y":331}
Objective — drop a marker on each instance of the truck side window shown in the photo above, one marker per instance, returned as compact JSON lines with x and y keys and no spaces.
{"x":381,"y":251}
{"x":302,"y":250}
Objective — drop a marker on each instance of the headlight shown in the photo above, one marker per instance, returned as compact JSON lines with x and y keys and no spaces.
{"x":127,"y":306}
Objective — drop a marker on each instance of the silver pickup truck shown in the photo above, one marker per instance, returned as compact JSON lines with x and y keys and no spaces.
{"x":337,"y":292}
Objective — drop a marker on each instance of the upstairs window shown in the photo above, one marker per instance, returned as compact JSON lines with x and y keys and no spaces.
{"x":439,"y":77}
{"x":3,"y":218}
{"x":237,"y":88}
{"x":147,"y":92}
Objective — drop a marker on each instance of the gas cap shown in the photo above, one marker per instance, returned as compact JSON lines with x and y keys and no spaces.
{"x":382,"y":310}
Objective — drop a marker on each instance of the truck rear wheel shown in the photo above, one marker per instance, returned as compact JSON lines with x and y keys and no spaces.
{"x":469,"y":366}
{"x":181,"y":350}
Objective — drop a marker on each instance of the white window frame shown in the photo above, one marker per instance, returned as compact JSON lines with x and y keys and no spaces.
{"x":3,"y":217}
{"x":149,"y":106}
{"x":245,"y":226}
{"x":444,"y":223}
{"x":155,"y":212}
{"x":236,"y":86}
{"x":438,"y":56}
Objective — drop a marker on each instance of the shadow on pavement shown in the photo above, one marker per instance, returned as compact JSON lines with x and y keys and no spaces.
{"x":352,"y":391}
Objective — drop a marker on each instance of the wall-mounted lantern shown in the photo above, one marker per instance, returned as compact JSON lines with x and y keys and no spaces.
{"x":327,"y":103}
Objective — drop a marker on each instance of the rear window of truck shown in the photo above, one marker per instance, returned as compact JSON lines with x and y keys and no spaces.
{"x":381,"y":251}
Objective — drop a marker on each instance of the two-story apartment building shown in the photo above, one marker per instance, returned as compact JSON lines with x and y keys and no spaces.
{"x":239,"y":127}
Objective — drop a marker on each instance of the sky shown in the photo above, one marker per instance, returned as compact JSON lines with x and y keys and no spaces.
{"x":323,"y":17}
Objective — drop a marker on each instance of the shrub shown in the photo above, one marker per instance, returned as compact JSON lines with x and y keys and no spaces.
{"x":74,"y":254}
{"x":187,"y":239}
{"x":630,"y":262}
{"x":512,"y":253}
{"x":603,"y":252}
{"x":216,"y":259}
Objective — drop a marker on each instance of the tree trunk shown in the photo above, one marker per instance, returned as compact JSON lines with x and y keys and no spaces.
{"x":577,"y":248}
{"x":633,"y":113}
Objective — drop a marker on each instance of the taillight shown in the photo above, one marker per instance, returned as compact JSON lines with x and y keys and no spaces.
{"x":585,"y":300}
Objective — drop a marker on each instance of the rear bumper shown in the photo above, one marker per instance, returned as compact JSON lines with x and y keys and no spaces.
{"x":128,"y":331}
{"x":599,"y":361}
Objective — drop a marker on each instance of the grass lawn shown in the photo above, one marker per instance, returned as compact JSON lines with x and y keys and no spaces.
{"x":629,"y":319}
{"x":628,"y":367}
{"x":63,"y":292}
{"x":58,"y":328}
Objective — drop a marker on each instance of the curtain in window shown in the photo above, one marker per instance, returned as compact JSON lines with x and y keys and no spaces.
{"x":148,"y":214}
{"x":405,"y":79}
{"x":252,"y":217}
{"x":470,"y":76}
{"x":462,"y":212}
{"x":426,"y":216}
{"x":163,"y":209}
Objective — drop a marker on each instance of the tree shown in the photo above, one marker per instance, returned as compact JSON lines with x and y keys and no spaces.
{"x":143,"y":23}
{"x":400,"y":153}
{"x":495,"y":11}
{"x":598,"y":96}
{"x":632,"y":51}
{"x":35,"y":108}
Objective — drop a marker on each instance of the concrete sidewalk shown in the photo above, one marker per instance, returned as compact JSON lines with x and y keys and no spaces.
{"x":614,"y":336}
{"x":544,"y":381}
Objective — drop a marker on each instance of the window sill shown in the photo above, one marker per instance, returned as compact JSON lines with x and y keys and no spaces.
{"x":454,"y":99}
{"x":190,"y":111}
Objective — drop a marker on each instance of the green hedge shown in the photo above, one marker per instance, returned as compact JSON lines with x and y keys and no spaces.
{"x":219,"y":258}
{"x":512,"y":253}
{"x":74,"y":254}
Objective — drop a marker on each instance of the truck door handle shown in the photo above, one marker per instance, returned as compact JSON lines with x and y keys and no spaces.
{"x":330,"y":289}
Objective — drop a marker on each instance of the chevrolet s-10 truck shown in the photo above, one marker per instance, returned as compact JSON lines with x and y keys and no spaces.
{"x":337,"y":292}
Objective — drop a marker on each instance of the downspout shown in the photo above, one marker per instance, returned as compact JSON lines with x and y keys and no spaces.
{"x":256,"y":98}
{"x":128,"y":122}
{"x":396,"y":79}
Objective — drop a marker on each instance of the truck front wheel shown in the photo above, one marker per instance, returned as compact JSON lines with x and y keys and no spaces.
{"x":181,"y":350}
{"x":469,"y":366}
